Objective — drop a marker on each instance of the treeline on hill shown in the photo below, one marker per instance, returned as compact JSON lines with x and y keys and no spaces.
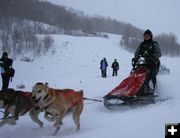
{"x":167,"y":42}
{"x":68,"y":19}
{"x":19,"y":36}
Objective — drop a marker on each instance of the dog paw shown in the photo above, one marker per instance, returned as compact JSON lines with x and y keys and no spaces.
{"x":41,"y":125}
{"x":2,"y":123}
{"x":57,"y":125}
{"x":56,"y":131}
{"x":78,"y":128}
{"x":11,"y":122}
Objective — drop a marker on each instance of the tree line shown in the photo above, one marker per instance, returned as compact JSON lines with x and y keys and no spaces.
{"x":69,"y":19}
{"x":19,"y":36}
{"x":62,"y":17}
{"x":167,"y":42}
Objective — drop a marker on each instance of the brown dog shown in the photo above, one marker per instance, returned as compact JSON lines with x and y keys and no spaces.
{"x":57,"y":103}
{"x":18,"y":103}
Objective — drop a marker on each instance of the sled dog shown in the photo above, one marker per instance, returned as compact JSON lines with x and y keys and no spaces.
{"x":57,"y":103}
{"x":16,"y":103}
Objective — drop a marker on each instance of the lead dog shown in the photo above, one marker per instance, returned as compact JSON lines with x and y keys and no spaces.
{"x":58,"y":103}
{"x":16,"y":103}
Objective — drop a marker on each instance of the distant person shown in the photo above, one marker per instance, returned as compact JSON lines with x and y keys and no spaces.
{"x":115,"y":67}
{"x":103,"y":67}
{"x":6,"y":70}
{"x":149,"y":49}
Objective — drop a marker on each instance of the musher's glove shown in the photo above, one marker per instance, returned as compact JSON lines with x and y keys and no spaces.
{"x":134,"y":60}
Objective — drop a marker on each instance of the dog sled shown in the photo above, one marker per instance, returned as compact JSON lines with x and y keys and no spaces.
{"x":133,"y":89}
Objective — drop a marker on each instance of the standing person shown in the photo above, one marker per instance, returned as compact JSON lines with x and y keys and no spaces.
{"x":115,"y":66}
{"x":151,"y":52}
{"x":103,"y":67}
{"x":5,"y":64}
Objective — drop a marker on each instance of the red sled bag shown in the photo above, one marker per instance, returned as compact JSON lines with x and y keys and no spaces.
{"x":131,"y":85}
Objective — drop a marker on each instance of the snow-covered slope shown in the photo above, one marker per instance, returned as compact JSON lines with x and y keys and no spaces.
{"x":75,"y":64}
{"x":158,"y":15}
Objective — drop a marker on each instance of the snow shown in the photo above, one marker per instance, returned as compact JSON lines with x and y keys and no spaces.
{"x":75,"y":64}
{"x":158,"y":15}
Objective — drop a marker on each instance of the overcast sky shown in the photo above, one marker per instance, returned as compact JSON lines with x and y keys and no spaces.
{"x":157,"y":15}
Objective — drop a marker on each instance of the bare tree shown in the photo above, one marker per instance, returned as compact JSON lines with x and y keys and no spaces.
{"x":48,"y":42}
{"x":5,"y":34}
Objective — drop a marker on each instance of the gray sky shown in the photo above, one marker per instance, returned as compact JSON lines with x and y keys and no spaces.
{"x":157,"y":15}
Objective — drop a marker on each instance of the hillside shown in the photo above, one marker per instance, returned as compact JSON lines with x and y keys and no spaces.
{"x":74,"y":63}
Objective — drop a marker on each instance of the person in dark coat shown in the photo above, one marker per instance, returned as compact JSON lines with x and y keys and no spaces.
{"x":149,"y":49}
{"x":5,"y":64}
{"x":115,"y":66}
{"x":103,"y":67}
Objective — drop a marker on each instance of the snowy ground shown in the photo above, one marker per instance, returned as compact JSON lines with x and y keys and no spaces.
{"x":75,"y":64}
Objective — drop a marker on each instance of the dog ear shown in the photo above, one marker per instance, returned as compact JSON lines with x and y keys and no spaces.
{"x":81,"y":93}
{"x":46,"y":84}
{"x":39,"y":83}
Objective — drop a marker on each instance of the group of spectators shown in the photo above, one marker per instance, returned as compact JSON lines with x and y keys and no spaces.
{"x":104,"y":65}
